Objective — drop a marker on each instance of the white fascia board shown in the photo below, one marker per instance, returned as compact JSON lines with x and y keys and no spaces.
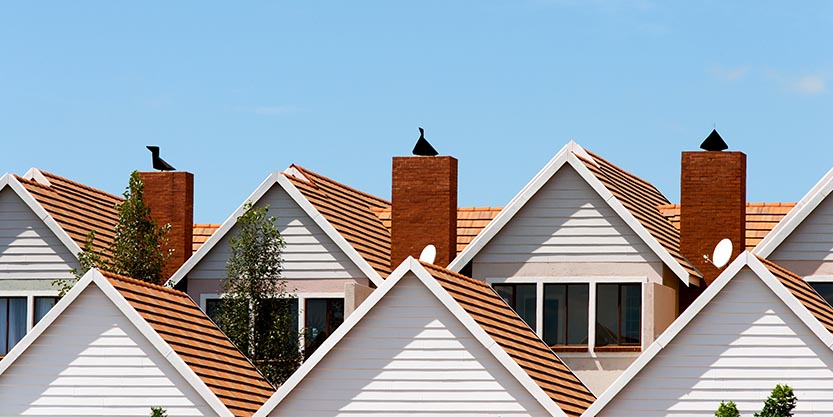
{"x":485,"y":339}
{"x":43,"y":215}
{"x":512,"y":208}
{"x":329,"y":230}
{"x":349,"y":323}
{"x":47,"y":320}
{"x":37,"y":176}
{"x":668,"y":335}
{"x":224,"y":229}
{"x":795,"y":217}
{"x":161,"y":346}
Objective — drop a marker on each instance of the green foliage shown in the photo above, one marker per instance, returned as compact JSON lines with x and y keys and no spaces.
{"x":729,"y":409}
{"x":138,"y":247}
{"x":88,"y":258}
{"x":780,"y":403}
{"x":254,"y":312}
{"x":158,"y":412}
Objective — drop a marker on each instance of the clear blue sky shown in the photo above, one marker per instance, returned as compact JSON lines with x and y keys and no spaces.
{"x":232,"y":91}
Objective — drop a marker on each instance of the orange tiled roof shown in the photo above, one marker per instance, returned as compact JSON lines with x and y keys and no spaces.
{"x":517,"y":339}
{"x":641,"y":199}
{"x":802,"y":290}
{"x":77,"y":208}
{"x":350,"y":211}
{"x":198,"y":341}
{"x":201,"y":233}
{"x":760,"y":218}
{"x":470,"y":221}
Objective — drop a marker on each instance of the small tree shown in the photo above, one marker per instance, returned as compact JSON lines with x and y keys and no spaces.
{"x":254,"y":312}
{"x":88,"y":258}
{"x":139,"y":244}
{"x":158,"y":412}
{"x":780,"y":403}
{"x":729,"y":409}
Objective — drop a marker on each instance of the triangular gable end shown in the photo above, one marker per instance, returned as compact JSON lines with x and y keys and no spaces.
{"x":141,"y":332}
{"x":745,"y":262}
{"x":10,"y":182}
{"x":277,"y":178}
{"x":567,"y":155}
{"x":409,"y":271}
{"x":802,"y":210}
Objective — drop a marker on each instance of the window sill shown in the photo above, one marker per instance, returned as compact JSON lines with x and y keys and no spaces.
{"x":617,"y":349}
{"x":569,"y":348}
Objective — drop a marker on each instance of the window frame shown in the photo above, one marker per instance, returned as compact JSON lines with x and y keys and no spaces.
{"x":820,"y":279}
{"x":30,"y":302}
{"x":591,"y":314}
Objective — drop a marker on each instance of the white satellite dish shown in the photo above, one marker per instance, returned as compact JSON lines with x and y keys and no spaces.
{"x":429,"y":254}
{"x":722,"y":253}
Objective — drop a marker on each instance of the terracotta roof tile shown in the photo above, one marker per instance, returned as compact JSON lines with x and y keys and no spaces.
{"x":760,"y":219}
{"x":641,"y":199}
{"x":350,"y":211}
{"x":803,"y":292}
{"x":77,"y":208}
{"x":470,"y":222}
{"x":517,"y":339}
{"x":201,"y":233}
{"x":198,"y":341}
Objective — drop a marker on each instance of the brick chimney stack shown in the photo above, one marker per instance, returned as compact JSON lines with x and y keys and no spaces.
{"x":424,"y":198}
{"x":170,"y":196}
{"x":712,"y":203}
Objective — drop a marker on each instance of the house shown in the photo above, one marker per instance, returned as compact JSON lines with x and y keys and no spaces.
{"x":44,"y":223}
{"x":434,"y":342}
{"x":118,"y":346}
{"x":755,"y":326}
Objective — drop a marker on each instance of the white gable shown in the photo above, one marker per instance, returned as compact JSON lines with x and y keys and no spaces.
{"x":93,"y":361}
{"x":737,"y":348}
{"x":566,"y":221}
{"x":409,"y":354}
{"x":812,"y":240}
{"x":28,"y":248}
{"x":309,"y":252}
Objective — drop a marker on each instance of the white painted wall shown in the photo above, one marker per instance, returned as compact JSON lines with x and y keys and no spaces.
{"x":737,"y":349}
{"x":93,"y":362}
{"x":409,"y":356}
{"x":808,"y":250}
{"x":28,"y":249}
{"x":312,"y":261}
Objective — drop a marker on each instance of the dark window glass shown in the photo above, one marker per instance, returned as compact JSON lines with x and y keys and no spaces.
{"x":825,"y":290}
{"x":212,"y":307}
{"x":618,"y":314}
{"x":321,"y":317}
{"x":43,"y":305}
{"x":566,"y":308}
{"x":12,"y":322}
{"x":521,"y":297}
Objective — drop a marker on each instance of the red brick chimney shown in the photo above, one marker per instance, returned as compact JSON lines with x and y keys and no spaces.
{"x":170,"y":196}
{"x":424,"y":197}
{"x":712,"y":203}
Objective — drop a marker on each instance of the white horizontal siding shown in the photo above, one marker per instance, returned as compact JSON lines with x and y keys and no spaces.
{"x":812,"y":240}
{"x":737,"y":349}
{"x":28,"y":249}
{"x":309,"y":252}
{"x":409,"y":357}
{"x":565,"y":221}
{"x":93,"y":362}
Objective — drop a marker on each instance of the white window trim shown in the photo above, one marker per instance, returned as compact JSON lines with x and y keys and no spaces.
{"x":591,"y":314}
{"x":819,"y":278}
{"x":30,"y":302}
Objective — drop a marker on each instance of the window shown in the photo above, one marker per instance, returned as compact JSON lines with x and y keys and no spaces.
{"x":12,"y":322}
{"x":212,"y":308}
{"x":825,"y":290}
{"x":321,"y":317}
{"x":618,"y":314}
{"x":43,"y":305}
{"x":566,"y":308}
{"x":522,"y":299}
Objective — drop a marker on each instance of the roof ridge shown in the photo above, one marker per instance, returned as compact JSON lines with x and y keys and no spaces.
{"x":207,"y":224}
{"x":138,"y":282}
{"x":479,"y":208}
{"x":771,"y":204}
{"x":84,"y":186}
{"x":326,"y":178}
{"x":455,"y":274}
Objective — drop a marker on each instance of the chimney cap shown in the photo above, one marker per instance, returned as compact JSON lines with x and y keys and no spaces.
{"x":159,"y":163}
{"x":422,"y":147}
{"x":714,"y":142}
